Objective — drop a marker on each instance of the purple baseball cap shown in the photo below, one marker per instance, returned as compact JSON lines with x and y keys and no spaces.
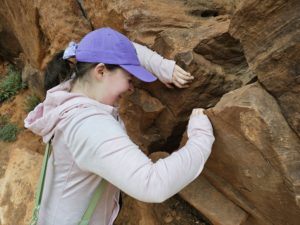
{"x":106,"y":45}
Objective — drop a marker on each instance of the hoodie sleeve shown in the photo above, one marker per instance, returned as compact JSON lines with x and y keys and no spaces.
{"x":109,"y":152}
{"x":155,"y":63}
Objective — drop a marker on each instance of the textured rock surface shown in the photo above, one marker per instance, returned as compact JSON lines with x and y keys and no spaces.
{"x":215,"y":73}
{"x":270,"y":35}
{"x":173,"y":211}
{"x":257,"y":153}
{"x":18,"y":184}
{"x":141,"y":20}
{"x":213,"y":204}
{"x":29,"y":24}
{"x":213,"y":7}
{"x":226,"y":45}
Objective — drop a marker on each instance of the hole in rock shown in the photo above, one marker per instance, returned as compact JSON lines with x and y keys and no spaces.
{"x":205,"y":13}
{"x":209,"y":13}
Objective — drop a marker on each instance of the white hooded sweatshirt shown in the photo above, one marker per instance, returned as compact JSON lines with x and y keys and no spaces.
{"x":90,"y":143}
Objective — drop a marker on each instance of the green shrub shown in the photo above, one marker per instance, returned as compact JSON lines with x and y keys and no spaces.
{"x":31,"y":102}
{"x":8,"y":130}
{"x":10,"y":84}
{"x":3,"y":120}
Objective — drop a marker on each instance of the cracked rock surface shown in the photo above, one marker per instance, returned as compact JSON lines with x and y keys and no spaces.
{"x":244,"y":56}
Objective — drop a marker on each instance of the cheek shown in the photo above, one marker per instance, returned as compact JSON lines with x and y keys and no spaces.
{"x":120,"y":87}
{"x":119,"y":84}
{"x":125,"y":85}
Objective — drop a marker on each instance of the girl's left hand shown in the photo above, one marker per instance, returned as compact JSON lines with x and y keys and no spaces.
{"x":180,"y":78}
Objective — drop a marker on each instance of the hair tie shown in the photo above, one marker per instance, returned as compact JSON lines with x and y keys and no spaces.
{"x":70,"y":50}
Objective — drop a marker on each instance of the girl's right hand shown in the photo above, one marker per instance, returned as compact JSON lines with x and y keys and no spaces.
{"x":180,"y":78}
{"x":197,"y":111}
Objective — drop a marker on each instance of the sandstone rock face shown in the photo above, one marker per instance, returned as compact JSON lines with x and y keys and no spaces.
{"x":244,"y":56}
{"x":215,"y":73}
{"x":257,"y":153}
{"x":28,"y":35}
{"x":213,"y":7}
{"x":18,"y":19}
{"x":208,"y":200}
{"x":270,"y":35}
{"x":140,"y":20}
{"x":18,"y":185}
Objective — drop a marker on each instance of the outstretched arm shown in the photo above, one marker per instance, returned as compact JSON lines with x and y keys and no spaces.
{"x":166,"y":70}
{"x":113,"y":156}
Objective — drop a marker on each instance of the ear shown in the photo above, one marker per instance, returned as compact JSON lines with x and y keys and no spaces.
{"x":98,"y":71}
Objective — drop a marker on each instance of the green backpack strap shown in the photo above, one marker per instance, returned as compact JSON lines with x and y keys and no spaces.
{"x":93,"y":203}
{"x":40,"y":186}
{"x":38,"y":198}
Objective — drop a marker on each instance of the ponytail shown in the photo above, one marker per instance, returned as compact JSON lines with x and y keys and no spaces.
{"x":57,"y":71}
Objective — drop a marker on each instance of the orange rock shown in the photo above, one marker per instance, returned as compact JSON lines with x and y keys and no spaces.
{"x":269,"y":33}
{"x":257,"y":153}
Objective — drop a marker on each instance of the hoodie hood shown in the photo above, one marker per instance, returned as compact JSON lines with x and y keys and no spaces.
{"x":45,"y":117}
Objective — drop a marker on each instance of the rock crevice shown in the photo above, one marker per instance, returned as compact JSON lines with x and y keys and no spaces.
{"x":244,"y":56}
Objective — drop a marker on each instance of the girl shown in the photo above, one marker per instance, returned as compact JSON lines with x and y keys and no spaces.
{"x":89,"y":140}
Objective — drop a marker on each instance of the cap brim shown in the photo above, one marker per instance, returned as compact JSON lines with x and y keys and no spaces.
{"x":139,"y":72}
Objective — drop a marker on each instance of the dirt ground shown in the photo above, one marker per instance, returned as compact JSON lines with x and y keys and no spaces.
{"x":174,"y":211}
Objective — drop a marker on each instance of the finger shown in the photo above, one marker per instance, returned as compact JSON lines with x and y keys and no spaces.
{"x":180,"y":81}
{"x":197,"y":111}
{"x":194,"y":112}
{"x":179,"y":69}
{"x":177,"y":84}
{"x":185,"y":77}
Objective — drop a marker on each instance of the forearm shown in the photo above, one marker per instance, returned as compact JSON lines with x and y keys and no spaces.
{"x":155,"y":63}
{"x":168,"y":176}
